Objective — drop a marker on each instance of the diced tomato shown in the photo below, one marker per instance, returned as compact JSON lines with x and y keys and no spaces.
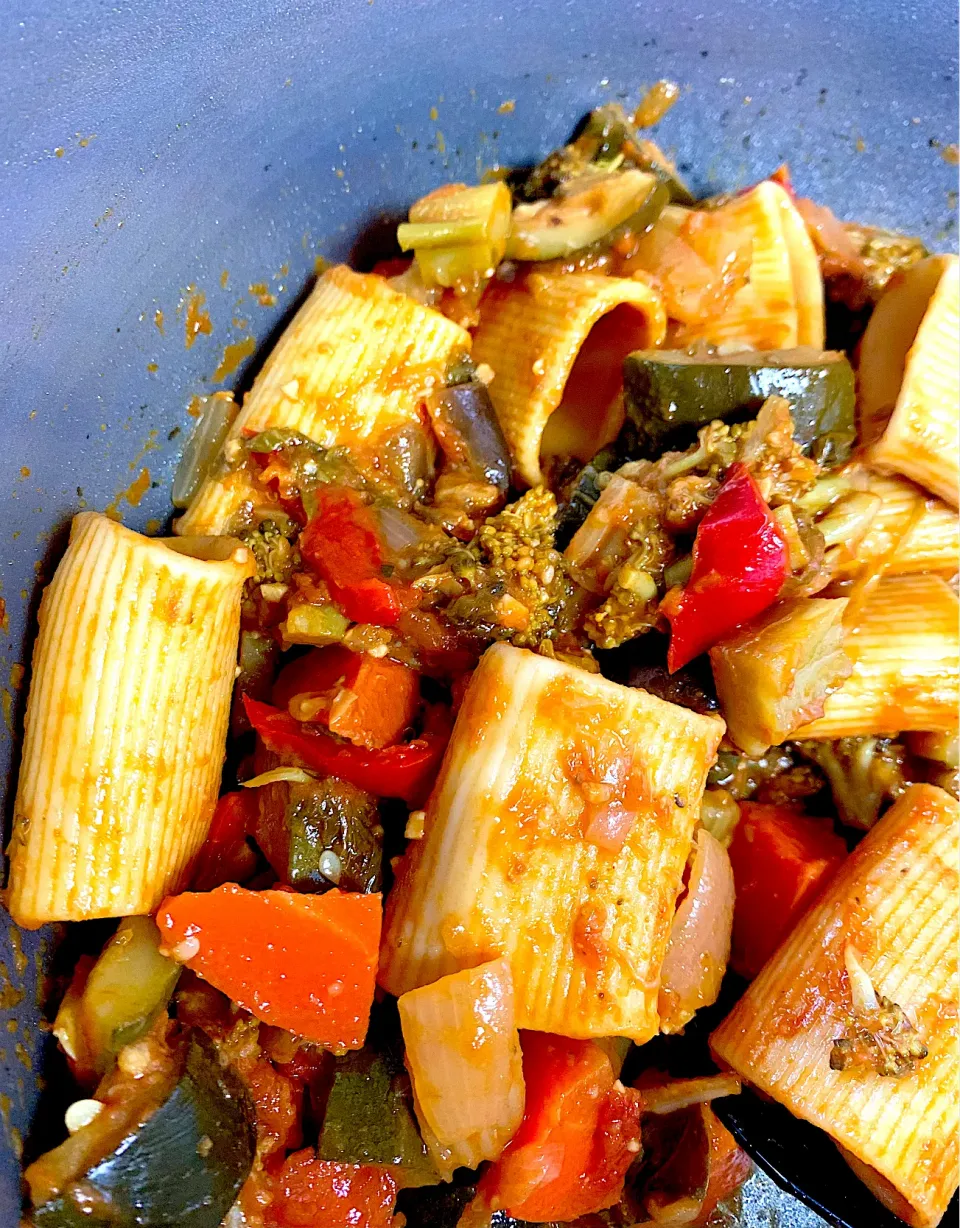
{"x":781,"y":861}
{"x":727,"y":1165}
{"x":312,"y":1193}
{"x":341,"y":543}
{"x":278,"y":1100}
{"x":407,"y":770}
{"x":579,"y":1135}
{"x":225,"y":856}
{"x":302,"y":962}
{"x":740,"y":562}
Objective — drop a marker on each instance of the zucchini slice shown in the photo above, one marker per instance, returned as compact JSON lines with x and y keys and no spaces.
{"x":180,"y":1165}
{"x":584,"y":212}
{"x":670,"y":394}
{"x":128,"y":987}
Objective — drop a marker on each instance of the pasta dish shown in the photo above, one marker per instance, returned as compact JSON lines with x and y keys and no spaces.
{"x":559,"y":640}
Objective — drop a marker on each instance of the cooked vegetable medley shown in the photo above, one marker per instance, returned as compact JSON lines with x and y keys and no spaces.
{"x":575,"y":614}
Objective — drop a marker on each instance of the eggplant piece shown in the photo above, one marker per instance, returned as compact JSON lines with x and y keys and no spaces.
{"x":320,"y":834}
{"x":582,"y":213}
{"x":670,"y":394}
{"x":369,"y":1117}
{"x":128,"y":987}
{"x":469,"y":433}
{"x":435,"y":1206}
{"x":178,"y":1163}
{"x":642,"y":663}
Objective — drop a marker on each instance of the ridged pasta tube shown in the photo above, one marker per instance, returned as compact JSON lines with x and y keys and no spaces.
{"x":911,"y":531}
{"x":517,"y":857}
{"x":355,"y":364}
{"x":556,"y":345}
{"x":126,"y":721}
{"x":890,"y":916}
{"x":910,"y":381}
{"x":781,"y":305}
{"x":906,"y":663}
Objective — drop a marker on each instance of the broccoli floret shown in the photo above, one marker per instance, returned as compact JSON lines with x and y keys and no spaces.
{"x":509,"y":582}
{"x":274,"y":549}
{"x":883,"y":1040}
{"x":865,"y":774}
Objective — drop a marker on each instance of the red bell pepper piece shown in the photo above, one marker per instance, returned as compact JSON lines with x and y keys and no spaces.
{"x":406,"y":771}
{"x":740,"y":562}
{"x":781,"y":861}
{"x":342,"y":545}
{"x":224,"y":855}
{"x":579,"y":1135}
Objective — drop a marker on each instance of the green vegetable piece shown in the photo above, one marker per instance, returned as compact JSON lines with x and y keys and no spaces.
{"x":318,"y":625}
{"x":587,"y":210}
{"x":319,"y":835}
{"x":182,"y":1167}
{"x":128,"y":987}
{"x":671,"y":394}
{"x":369,"y":1117}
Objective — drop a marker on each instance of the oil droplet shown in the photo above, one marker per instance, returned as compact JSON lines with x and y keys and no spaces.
{"x":152,"y":527}
{"x":320,"y":265}
{"x":951,"y":154}
{"x":6,"y":703}
{"x":195,"y":408}
{"x":158,"y":320}
{"x":239,"y":322}
{"x":261,"y":292}
{"x":224,"y":279}
{"x":233,"y":356}
{"x":4,"y":617}
{"x":24,"y":471}
{"x":441,"y":143}
{"x":197,"y":318}
{"x":85,"y":140}
{"x":434,"y":113}
{"x":20,"y":1050}
{"x":59,"y":151}
{"x":17,"y":674}
{"x":860,"y":145}
{"x":152,"y":368}
{"x":507,"y":107}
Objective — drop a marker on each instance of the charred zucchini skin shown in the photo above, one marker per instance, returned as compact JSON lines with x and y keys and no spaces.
{"x":165,"y":1175}
{"x":670,"y":394}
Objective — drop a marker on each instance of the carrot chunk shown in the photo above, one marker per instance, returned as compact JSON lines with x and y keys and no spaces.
{"x":302,"y":962}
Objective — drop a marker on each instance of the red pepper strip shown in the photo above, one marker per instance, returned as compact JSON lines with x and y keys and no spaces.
{"x":406,"y":771}
{"x":341,"y":544}
{"x":740,"y":562}
{"x":225,"y":845}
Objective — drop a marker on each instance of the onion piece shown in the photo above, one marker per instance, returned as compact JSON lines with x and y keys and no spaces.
{"x":699,"y":945}
{"x":463,"y":1053}
{"x":681,"y":1093}
{"x":294,"y":775}
{"x":399,"y":530}
{"x":203,"y":447}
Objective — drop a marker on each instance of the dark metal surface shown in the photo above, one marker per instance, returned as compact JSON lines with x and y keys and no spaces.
{"x":149,"y":148}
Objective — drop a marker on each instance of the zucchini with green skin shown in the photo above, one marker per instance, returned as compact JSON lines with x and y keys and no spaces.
{"x":173,"y":1153}
{"x":320,"y":834}
{"x":588,"y":209}
{"x":369,"y":1117}
{"x":671,"y":394}
{"x":128,"y":987}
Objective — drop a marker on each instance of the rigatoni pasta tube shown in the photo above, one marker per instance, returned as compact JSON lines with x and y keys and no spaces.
{"x":913,"y":422}
{"x":891,"y":916}
{"x":556,"y":345}
{"x":911,"y":531}
{"x":126,"y":721}
{"x":906,"y":662}
{"x":556,"y":836}
{"x":354,"y":365}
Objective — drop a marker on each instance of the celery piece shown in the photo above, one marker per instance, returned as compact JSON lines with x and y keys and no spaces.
{"x":314,"y":624}
{"x":458,"y":234}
